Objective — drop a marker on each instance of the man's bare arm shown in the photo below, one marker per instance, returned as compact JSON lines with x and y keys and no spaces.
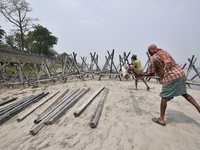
{"x":146,"y":74}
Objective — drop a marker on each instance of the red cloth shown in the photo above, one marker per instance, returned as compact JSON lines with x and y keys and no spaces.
{"x":162,"y":53}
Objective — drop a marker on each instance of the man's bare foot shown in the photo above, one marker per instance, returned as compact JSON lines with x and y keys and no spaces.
{"x":148,"y":88}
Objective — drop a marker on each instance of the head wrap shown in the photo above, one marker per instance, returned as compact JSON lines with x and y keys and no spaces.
{"x":162,"y":53}
{"x":134,"y":56}
{"x":153,"y":48}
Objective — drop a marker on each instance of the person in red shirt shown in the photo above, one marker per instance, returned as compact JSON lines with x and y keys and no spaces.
{"x":172,"y":77}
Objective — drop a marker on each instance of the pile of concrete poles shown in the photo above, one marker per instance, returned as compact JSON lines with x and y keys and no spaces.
{"x":10,"y":109}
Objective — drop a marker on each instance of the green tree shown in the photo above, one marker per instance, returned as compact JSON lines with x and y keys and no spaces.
{"x":13,"y":40}
{"x":10,"y":40}
{"x":2,"y":33}
{"x":64,"y":54}
{"x":41,"y":41}
{"x":15,"y":11}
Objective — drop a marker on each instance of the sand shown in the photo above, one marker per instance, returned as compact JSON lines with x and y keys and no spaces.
{"x":125,"y":122}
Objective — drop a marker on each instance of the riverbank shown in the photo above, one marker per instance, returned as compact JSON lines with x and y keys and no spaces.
{"x":125,"y":121}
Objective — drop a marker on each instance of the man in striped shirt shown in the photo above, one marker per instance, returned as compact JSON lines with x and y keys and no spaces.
{"x":172,"y":77}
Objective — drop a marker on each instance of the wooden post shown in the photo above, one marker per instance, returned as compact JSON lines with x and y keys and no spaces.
{"x":123,"y":61}
{"x":17,"y":109}
{"x":184,"y":66}
{"x":66,"y":106}
{"x":84,"y":64}
{"x":84,"y":105}
{"x":8,"y":101}
{"x":95,"y":60}
{"x":190,"y":66}
{"x":106,"y":63}
{"x":25,"y":114}
{"x":59,"y":107}
{"x":14,"y":104}
{"x":110,"y":65}
{"x":95,"y":118}
{"x":146,"y":65}
{"x":195,"y":69}
{"x":53,"y":106}
{"x":126,"y":61}
{"x":2,"y":73}
{"x":37,"y":128}
{"x":47,"y":68}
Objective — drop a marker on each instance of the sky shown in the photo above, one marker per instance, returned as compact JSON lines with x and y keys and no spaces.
{"x":89,"y":26}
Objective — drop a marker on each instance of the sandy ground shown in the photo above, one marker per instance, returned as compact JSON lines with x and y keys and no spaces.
{"x":120,"y":126}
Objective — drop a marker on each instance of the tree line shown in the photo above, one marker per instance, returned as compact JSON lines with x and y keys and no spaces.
{"x":26,"y":36}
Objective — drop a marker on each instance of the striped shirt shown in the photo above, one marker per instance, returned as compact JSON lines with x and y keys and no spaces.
{"x":156,"y":65}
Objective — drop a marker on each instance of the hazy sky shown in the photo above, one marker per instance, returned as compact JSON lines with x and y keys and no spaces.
{"x":88,"y":26}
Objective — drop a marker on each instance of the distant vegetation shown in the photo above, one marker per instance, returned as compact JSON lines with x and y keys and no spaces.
{"x":25,"y":36}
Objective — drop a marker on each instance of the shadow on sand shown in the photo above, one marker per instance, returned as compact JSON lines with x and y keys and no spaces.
{"x":174,"y":116}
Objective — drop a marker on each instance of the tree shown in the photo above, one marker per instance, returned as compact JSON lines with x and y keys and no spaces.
{"x":15,"y":11}
{"x":2,"y":32}
{"x":40,"y":41}
{"x":63,"y":55}
{"x":10,"y":41}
